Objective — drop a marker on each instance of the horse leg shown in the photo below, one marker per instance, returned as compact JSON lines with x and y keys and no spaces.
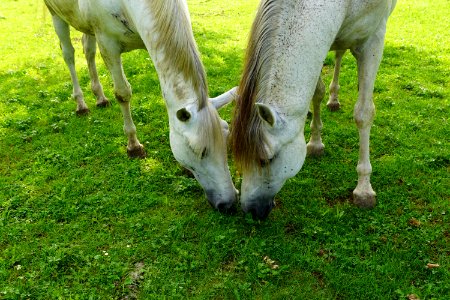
{"x":333,"y":102}
{"x":315,"y":146}
{"x":110,"y":51}
{"x":368,"y":58}
{"x":90,"y":47}
{"x":63,"y":32}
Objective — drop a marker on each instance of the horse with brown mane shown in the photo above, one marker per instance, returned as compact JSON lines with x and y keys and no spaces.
{"x":288,"y":43}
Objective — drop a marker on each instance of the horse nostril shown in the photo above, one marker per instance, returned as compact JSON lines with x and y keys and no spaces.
{"x":261,"y":212}
{"x":223,"y":205}
{"x":254,"y":214}
{"x":226,"y":207}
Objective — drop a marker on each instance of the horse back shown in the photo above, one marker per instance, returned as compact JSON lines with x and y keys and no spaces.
{"x":99,"y":17}
{"x":70,"y":12}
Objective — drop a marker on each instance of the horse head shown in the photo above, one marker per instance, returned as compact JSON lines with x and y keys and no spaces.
{"x":198,"y":139}
{"x":281,"y":155}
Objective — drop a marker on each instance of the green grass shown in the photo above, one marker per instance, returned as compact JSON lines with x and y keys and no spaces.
{"x":79,"y":220}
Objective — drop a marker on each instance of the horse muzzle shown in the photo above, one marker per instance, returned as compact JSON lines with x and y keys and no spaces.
{"x":224,"y":204}
{"x":259,"y":208}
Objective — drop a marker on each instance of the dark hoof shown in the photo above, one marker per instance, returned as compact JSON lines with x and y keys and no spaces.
{"x":104,"y":103}
{"x":137,"y":153}
{"x":83,"y":112}
{"x":367,"y":201}
{"x":333,"y":106}
{"x":315,"y":150}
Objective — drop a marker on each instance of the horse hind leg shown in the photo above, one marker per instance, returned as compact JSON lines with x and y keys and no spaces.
{"x":110,"y":52}
{"x":315,"y":147}
{"x":63,"y":32}
{"x":368,"y":59}
{"x":333,"y":101}
{"x":90,"y":47}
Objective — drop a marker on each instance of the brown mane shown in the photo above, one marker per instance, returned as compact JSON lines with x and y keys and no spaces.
{"x":248,"y":140}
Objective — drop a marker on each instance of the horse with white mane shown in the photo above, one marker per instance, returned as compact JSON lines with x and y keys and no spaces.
{"x":288,"y":43}
{"x":197,"y":133}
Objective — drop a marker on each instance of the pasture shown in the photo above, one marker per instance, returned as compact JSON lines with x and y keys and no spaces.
{"x":80,"y":220}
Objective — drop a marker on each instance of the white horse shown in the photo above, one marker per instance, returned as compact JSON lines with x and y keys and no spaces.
{"x":197,"y":133}
{"x":289,"y":41}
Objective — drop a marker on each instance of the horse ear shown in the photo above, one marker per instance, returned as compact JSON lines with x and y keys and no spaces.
{"x":266,"y":113}
{"x":183,"y":115}
{"x":224,"y":99}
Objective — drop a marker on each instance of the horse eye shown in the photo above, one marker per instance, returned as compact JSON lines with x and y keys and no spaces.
{"x":265,"y":162}
{"x":204,"y":153}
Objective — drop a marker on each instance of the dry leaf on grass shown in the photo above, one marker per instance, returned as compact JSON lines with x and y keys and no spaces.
{"x":270,"y":263}
{"x":413,"y":297}
{"x":414,"y":222}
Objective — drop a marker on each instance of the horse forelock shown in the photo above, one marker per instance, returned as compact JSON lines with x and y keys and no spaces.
{"x":248,"y":139}
{"x":175,"y":36}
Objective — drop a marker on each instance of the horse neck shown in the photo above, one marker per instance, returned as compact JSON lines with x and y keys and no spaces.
{"x":303,"y":38}
{"x":166,"y":31}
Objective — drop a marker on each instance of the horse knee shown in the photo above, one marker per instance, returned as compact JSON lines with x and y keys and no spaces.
{"x":122,"y":98}
{"x":68,"y":54}
{"x":319,"y":93}
{"x":123,"y":94}
{"x":364,"y":114}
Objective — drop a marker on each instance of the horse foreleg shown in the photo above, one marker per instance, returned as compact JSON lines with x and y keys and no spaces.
{"x":63,"y":31}
{"x":333,"y":101}
{"x":110,"y":52}
{"x":315,"y":146}
{"x":90,"y":47}
{"x":368,"y":58}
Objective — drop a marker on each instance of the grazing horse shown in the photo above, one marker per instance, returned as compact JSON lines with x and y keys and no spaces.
{"x":197,"y":133}
{"x":288,"y":43}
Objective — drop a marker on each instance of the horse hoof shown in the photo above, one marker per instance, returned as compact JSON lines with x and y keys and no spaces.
{"x":365,"y":201}
{"x":315,"y":150}
{"x":138,"y":152}
{"x":83,"y":112}
{"x":104,"y":103}
{"x":333,"y":106}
